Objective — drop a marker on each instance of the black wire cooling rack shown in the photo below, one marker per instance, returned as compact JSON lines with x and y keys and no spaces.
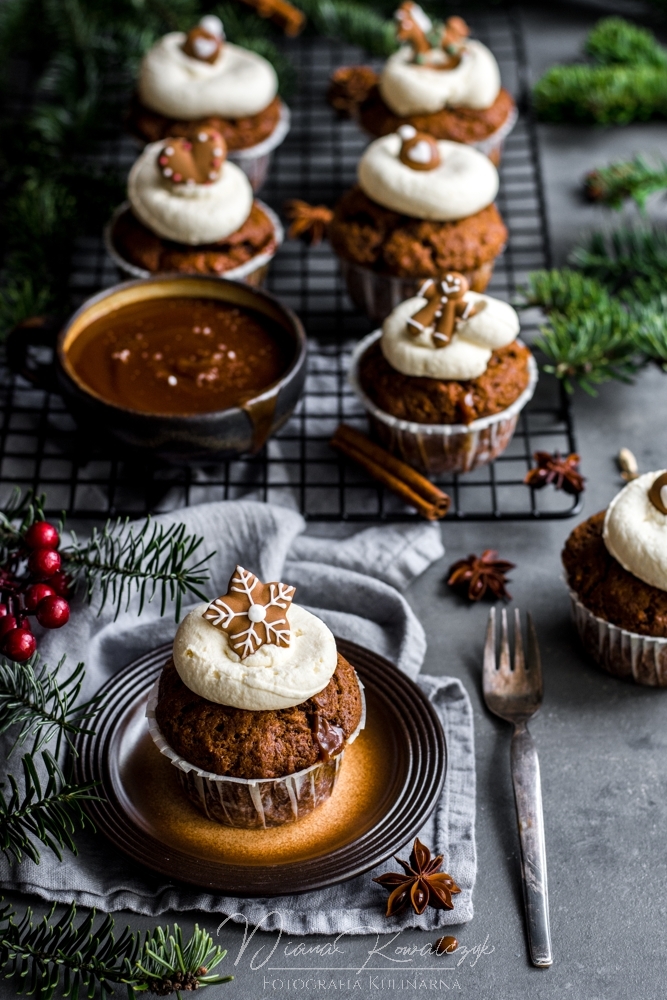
{"x":39,"y":445}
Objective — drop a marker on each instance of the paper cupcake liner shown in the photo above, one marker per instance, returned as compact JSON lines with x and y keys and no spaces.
{"x":634,"y":657}
{"x":438,"y":448}
{"x":492,"y":146}
{"x":378,"y":294}
{"x":256,"y":160}
{"x":253,"y":803}
{"x":253,"y":272}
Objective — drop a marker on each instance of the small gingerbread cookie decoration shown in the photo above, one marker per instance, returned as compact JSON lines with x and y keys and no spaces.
{"x":252,"y":613}
{"x":204,"y":42}
{"x":445,"y":305}
{"x":419,"y":150}
{"x":194,"y":160}
{"x":658,"y":493}
{"x":413,"y":25}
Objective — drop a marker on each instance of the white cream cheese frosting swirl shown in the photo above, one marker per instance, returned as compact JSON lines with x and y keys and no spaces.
{"x":635,"y":532}
{"x":409,"y":88}
{"x":273,"y":677}
{"x":494,"y":325}
{"x":188,"y":213}
{"x":239,"y":83}
{"x":464,"y":183}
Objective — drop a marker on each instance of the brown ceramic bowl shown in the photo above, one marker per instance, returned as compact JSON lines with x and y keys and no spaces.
{"x":181,"y":439}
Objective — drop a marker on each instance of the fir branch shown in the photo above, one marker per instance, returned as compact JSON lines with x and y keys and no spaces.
{"x":564,"y":291}
{"x":637,"y":179}
{"x":87,"y":959}
{"x":21,"y":510}
{"x":628,"y":258}
{"x":51,"y":815}
{"x":651,"y":332}
{"x":251,"y":32}
{"x":607,"y":95}
{"x":351,"y":21}
{"x":43,"y":704}
{"x":615,"y":40}
{"x":119,"y":562}
{"x":590,"y":348}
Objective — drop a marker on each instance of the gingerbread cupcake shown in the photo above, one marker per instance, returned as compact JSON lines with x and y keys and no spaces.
{"x":192,"y":211}
{"x":616,"y":568}
{"x":421,"y":208}
{"x":440,"y":81}
{"x":445,"y":378}
{"x":256,"y":706}
{"x":199,"y":80}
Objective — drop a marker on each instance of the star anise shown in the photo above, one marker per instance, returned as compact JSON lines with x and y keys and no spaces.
{"x":310,"y":221}
{"x":477,"y":574}
{"x":422,"y":885}
{"x":562,"y":471}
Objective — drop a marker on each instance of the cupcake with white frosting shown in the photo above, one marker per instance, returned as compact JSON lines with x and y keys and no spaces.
{"x":191,"y":210}
{"x":256,"y":706}
{"x":445,"y":378}
{"x":440,"y":81}
{"x":200,"y":80}
{"x":616,"y":568}
{"x":421,"y":208}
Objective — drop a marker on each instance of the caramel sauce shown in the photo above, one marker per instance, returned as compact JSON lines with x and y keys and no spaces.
{"x":180,"y":355}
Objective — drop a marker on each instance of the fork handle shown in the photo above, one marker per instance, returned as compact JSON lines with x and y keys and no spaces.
{"x":528,"y":798}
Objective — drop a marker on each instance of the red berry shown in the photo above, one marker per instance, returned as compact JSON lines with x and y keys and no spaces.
{"x":44,"y":562}
{"x":60,"y":583}
{"x":7,"y":623}
{"x":42,"y":535}
{"x":19,"y":645}
{"x":35,"y":593}
{"x":53,"y":612}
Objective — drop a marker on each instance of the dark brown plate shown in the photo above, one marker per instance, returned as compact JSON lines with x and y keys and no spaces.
{"x":389,"y":783}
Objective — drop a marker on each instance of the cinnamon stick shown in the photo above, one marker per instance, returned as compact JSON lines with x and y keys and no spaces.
{"x":284,"y":14}
{"x":415,"y":489}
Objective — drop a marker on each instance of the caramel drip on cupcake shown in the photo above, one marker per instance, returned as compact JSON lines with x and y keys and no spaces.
{"x":194,"y":160}
{"x":445,"y":305}
{"x":419,"y":150}
{"x":204,"y":42}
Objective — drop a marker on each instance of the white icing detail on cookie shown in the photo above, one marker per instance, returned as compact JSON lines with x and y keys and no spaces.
{"x":188,"y":213}
{"x":273,"y":677}
{"x":464,"y":183}
{"x":213,"y":25}
{"x":635,"y":532}
{"x":494,"y":325}
{"x":410,"y":88}
{"x":239,"y":83}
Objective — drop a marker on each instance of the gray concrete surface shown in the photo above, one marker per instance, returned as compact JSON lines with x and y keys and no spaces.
{"x":602,"y":743}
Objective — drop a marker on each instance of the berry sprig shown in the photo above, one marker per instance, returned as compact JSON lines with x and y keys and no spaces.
{"x":33,"y":584}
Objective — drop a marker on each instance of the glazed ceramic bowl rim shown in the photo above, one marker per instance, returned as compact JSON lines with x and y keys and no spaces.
{"x":266,"y":145}
{"x":448,"y":430}
{"x":180,"y":762}
{"x":234,"y":274}
{"x":297,"y":330}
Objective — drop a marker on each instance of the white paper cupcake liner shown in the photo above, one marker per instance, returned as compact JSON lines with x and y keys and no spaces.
{"x":634,"y":657}
{"x":253,"y":803}
{"x":492,"y":146}
{"x":438,"y":448}
{"x":378,"y":294}
{"x":256,"y":160}
{"x":253,"y":272}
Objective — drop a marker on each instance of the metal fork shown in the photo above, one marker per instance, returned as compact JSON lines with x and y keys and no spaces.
{"x":515,"y":695}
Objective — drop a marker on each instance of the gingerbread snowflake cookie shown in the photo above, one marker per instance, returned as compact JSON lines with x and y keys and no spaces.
{"x":252,"y":613}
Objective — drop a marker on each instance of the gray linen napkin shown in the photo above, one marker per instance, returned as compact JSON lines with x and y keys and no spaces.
{"x":353,"y":584}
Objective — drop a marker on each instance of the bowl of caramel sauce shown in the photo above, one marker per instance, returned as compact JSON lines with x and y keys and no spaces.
{"x":192,"y":369}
